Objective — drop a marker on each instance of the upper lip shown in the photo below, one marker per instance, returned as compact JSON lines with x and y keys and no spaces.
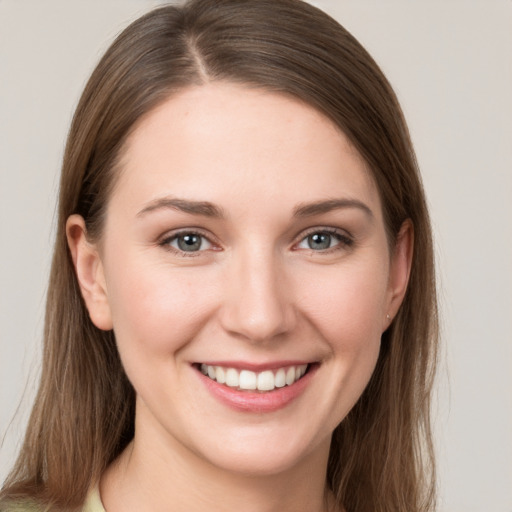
{"x":257,"y":367}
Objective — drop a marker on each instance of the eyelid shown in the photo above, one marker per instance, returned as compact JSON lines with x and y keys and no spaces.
{"x":346,"y":239}
{"x":165,"y":240}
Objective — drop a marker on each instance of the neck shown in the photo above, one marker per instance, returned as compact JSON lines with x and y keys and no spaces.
{"x":157,"y":473}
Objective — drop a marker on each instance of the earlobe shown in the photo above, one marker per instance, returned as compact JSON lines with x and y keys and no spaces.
{"x":89,"y":272}
{"x":400,"y":269}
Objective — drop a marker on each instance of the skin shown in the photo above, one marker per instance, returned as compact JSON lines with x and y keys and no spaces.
{"x":255,"y":291}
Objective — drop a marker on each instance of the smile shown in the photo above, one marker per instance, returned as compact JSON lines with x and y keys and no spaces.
{"x":247,"y":380}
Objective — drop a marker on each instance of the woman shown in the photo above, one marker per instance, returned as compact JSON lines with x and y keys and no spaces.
{"x":241,"y":308}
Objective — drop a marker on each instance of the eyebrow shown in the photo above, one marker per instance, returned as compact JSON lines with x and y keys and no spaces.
{"x":207,"y":209}
{"x":203,"y":208}
{"x":319,"y":207}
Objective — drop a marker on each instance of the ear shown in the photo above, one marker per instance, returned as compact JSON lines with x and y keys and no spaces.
{"x":89,"y":272}
{"x":400,"y":270}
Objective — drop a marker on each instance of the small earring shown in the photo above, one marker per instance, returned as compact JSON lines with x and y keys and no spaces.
{"x":388,"y":317}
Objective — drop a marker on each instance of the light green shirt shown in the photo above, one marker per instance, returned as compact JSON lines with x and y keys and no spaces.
{"x":93,"y":502}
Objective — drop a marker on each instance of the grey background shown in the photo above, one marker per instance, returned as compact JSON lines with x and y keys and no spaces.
{"x":450,"y":63}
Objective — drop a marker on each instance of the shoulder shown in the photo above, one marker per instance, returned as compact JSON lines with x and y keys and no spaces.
{"x":19,"y":506}
{"x":22,"y":505}
{"x":93,"y":501}
{"x":92,"y":504}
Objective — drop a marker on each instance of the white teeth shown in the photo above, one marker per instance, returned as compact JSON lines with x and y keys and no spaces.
{"x":232,"y":378}
{"x":266,"y":380}
{"x":280,"y":378}
{"x":290,"y":375}
{"x":220,"y":375}
{"x":247,"y":380}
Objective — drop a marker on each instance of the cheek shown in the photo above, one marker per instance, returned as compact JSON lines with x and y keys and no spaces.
{"x":344,"y":306}
{"x":347,"y":304}
{"x":156,"y":310}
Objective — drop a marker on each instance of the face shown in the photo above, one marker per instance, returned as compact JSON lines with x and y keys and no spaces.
{"x":245,"y":270}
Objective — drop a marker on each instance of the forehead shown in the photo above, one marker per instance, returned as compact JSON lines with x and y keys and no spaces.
{"x":218,"y":140}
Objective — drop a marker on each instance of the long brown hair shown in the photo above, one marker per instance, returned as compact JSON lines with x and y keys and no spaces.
{"x":381,"y":457}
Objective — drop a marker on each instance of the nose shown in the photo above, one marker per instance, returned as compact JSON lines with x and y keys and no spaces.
{"x":257,"y":302}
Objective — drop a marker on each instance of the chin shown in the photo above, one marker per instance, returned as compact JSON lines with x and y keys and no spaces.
{"x":264,"y":451}
{"x":261,"y":460}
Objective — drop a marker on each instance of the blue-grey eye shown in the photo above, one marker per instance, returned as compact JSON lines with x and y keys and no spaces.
{"x":320,"y":241}
{"x":323,"y":240}
{"x":190,"y":242}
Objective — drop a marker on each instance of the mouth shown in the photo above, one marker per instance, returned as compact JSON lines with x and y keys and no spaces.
{"x":264,"y":381}
{"x":255,"y":388}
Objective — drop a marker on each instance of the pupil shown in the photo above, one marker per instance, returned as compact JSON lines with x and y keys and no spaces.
{"x":189,"y":242}
{"x":320,"y":241}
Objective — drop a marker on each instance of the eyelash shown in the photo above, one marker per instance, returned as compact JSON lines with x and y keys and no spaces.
{"x":165,"y":243}
{"x":345,"y":241}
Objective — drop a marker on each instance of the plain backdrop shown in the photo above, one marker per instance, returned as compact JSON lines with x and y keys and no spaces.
{"x":450,"y":63}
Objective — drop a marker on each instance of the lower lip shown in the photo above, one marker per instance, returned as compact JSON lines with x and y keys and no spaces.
{"x":250,"y":401}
